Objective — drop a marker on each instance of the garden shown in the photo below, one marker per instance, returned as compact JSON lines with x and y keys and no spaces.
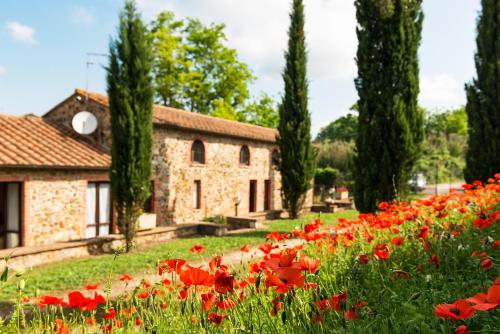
{"x":429,"y":266}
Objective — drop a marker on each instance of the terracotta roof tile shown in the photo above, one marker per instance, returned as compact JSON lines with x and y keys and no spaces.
{"x":183,"y":119}
{"x":30,"y":141}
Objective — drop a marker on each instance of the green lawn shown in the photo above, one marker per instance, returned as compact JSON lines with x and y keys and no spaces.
{"x":74,"y":274}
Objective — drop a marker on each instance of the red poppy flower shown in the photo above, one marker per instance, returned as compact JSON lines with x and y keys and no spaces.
{"x":381,"y":252}
{"x":435,"y":260}
{"x":226,"y":303}
{"x":397,"y":241}
{"x":245,"y":249}
{"x":277,"y":305}
{"x":196,"y":276}
{"x":460,"y":309}
{"x":91,"y":287}
{"x":143,"y":295}
{"x":223,"y":282}
{"x":487,"y":264}
{"x":287,"y":279}
{"x":138,"y":321}
{"x":170,"y":265}
{"x":216,"y":318}
{"x":126,"y":278}
{"x":462,"y":329}
{"x":496,"y":244}
{"x":277,"y":236}
{"x":486,"y":302}
{"x":383,"y":206}
{"x":363,"y":258}
{"x":61,"y":327}
{"x":198,"y":249}
{"x":266,"y":248}
{"x":216,"y":263}
{"x":90,"y":321}
{"x":208,"y":300}
{"x":424,"y":231}
{"x":309,"y":264}
{"x":336,"y":300}
{"x":183,"y":294}
{"x":49,"y":300}
{"x":110,"y":314}
{"x":77,"y":299}
{"x":350,"y":315}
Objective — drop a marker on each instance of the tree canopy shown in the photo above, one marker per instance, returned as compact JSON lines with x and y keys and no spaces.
{"x":194,"y":69}
{"x":344,"y":128}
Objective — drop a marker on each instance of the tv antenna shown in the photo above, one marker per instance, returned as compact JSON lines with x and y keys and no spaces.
{"x":89,"y":62}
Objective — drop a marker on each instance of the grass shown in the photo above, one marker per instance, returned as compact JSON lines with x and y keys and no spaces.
{"x":74,"y":274}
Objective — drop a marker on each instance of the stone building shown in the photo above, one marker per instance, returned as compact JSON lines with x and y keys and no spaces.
{"x":54,"y":183}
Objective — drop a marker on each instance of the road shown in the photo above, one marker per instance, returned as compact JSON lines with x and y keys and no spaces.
{"x":442,"y":188}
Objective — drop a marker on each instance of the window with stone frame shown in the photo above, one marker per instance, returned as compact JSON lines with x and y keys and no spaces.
{"x":98,"y":209}
{"x":198,"y":152}
{"x":245,"y":155}
{"x":197,"y":194}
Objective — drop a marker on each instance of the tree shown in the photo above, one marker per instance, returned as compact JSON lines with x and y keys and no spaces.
{"x":195,"y":70}
{"x":483,"y":98}
{"x":343,"y":129}
{"x":130,"y":91}
{"x":390,"y":126}
{"x":263,"y":112}
{"x":296,"y":154}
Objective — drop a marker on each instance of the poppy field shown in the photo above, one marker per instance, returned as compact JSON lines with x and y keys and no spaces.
{"x":429,"y":266}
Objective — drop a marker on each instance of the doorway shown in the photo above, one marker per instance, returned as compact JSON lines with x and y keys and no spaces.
{"x":10,"y":214}
{"x":267,"y":195}
{"x":252,"y":206}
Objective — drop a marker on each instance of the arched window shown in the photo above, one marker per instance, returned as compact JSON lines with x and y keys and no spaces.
{"x":275,"y":157}
{"x":245,"y":156}
{"x":198,"y":152}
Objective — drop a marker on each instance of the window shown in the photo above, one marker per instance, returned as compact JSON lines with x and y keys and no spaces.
{"x":10,"y":215}
{"x":197,"y":194}
{"x":275,"y":158}
{"x":98,"y":209}
{"x":245,"y":156}
{"x":198,"y":152}
{"x":149,"y":206}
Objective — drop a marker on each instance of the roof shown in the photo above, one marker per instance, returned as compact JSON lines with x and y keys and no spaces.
{"x":31,"y":142}
{"x":187,"y":120}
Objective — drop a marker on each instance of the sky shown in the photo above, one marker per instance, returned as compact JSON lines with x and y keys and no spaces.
{"x":44,"y":48}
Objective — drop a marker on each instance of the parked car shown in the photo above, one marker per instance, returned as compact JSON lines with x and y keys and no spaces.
{"x":418,"y":182}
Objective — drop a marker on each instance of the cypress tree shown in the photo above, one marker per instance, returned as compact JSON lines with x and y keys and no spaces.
{"x":483,"y":98}
{"x":296,"y":155}
{"x":390,"y":128}
{"x":130,"y":91}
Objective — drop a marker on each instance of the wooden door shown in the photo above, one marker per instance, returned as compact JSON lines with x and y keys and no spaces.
{"x":267,"y":195}
{"x":252,"y":207}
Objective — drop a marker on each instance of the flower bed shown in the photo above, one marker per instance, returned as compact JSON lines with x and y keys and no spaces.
{"x":426,"y":267}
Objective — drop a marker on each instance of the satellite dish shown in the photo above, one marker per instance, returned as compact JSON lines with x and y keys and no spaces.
{"x":84,"y":123}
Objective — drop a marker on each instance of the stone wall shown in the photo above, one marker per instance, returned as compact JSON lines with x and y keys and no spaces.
{"x":53,"y":204}
{"x":222,"y":177}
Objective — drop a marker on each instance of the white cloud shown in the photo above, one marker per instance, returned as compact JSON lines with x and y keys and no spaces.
{"x":21,"y":33}
{"x":82,"y":15}
{"x":3,"y":71}
{"x":258,"y":30}
{"x":441,"y":91}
